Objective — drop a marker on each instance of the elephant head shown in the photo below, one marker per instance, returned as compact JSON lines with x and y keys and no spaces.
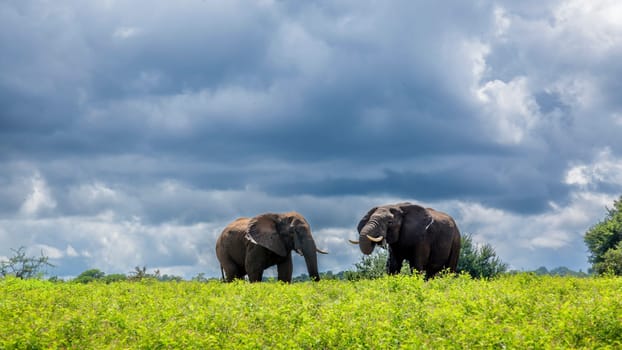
{"x":384,"y":224}
{"x":282,"y":233}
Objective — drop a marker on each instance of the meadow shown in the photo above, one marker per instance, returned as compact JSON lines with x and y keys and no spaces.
{"x":522,"y":311}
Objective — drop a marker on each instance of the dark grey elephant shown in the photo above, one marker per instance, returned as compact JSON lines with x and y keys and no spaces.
{"x":428,"y":239}
{"x":248,"y":246}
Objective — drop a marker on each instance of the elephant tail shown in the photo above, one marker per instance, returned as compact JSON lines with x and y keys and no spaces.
{"x":222,"y":273}
{"x":455,"y":253}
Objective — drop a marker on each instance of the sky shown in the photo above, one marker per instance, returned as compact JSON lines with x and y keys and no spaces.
{"x":133,"y":132}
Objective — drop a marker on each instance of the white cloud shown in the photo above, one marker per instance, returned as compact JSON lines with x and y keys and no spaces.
{"x":97,"y":191}
{"x":590,"y":27}
{"x":605,"y":169}
{"x":116,"y":245}
{"x":474,"y":54}
{"x":509,"y":108}
{"x":517,"y":237}
{"x":188,"y":111}
{"x":551,"y":239}
{"x":70,"y":251}
{"x":97,"y":197}
{"x":502,"y":22}
{"x":578,"y":91}
{"x":46,"y":250}
{"x":39,"y":199}
{"x":578,"y":175}
{"x":340,"y":251}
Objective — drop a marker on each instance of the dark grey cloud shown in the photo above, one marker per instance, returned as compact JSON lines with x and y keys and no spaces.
{"x":124,"y":120}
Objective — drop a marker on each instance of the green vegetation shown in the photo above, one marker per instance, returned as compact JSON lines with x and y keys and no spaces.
{"x":522,"y":311}
{"x":370,"y":266}
{"x":604,"y":241}
{"x":94,"y":275}
{"x":479,"y":261}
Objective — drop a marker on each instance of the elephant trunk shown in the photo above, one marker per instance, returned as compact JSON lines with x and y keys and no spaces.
{"x":366,"y":246}
{"x":309,"y":251}
{"x":369,"y":237}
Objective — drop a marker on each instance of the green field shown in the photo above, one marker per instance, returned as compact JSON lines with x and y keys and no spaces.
{"x":517,"y":312}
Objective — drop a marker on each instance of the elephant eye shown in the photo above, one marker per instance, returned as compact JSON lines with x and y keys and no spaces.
{"x":390,"y":222}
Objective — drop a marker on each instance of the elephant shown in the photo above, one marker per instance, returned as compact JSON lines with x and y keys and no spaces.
{"x":248,"y":246}
{"x":428,"y":239}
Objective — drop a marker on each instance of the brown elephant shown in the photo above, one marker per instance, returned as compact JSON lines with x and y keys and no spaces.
{"x":428,"y":239}
{"x":248,"y":246}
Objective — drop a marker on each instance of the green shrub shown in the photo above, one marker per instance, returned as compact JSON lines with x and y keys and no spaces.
{"x":604,"y":241}
{"x":522,"y":311}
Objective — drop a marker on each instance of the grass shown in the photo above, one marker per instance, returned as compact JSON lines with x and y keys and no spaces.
{"x":516,"y":312}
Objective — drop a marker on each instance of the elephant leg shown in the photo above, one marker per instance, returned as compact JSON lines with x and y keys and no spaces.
{"x":394,"y":263}
{"x":232,"y":271}
{"x":255,"y":275}
{"x":454,"y":253}
{"x":285,"y":270}
{"x":432,"y":270}
{"x":239,"y":274}
{"x":420,"y":259}
{"x":255,"y":263}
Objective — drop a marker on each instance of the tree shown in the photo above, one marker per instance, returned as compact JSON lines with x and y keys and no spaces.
{"x":115,"y":277}
{"x":369,"y":267}
{"x":200,"y":277}
{"x":21,"y":266}
{"x":479,"y":261}
{"x":611,"y":261}
{"x":89,"y":276}
{"x":140,"y":273}
{"x":169,"y":278}
{"x":603,"y":242}
{"x":93,"y":275}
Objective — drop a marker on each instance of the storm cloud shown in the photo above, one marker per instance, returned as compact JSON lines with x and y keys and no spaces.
{"x":131,"y":133}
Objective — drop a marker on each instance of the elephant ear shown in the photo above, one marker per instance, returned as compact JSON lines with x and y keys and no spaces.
{"x":417,"y":219}
{"x":393,"y":232}
{"x":365,"y":218}
{"x":263,"y":231}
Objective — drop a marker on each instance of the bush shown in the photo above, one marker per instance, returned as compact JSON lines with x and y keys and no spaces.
{"x":611,"y":261}
{"x":369,"y":267}
{"x":93,"y":275}
{"x":603,"y":242}
{"x":521,"y":311}
{"x":479,"y":262}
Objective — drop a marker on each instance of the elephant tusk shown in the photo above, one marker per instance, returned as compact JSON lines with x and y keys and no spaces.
{"x":375,"y":239}
{"x":353,"y":242}
{"x":299,"y":252}
{"x":321,"y":251}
